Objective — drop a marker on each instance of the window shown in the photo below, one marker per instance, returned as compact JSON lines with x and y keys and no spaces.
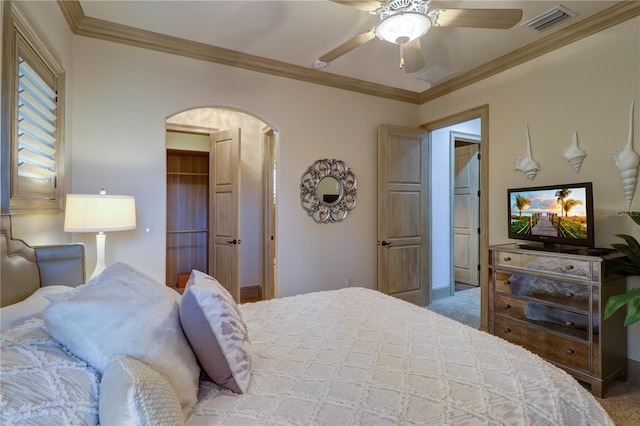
{"x":32,"y":119}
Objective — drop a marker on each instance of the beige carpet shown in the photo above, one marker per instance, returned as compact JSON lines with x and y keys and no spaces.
{"x":622,"y":402}
{"x":463,"y":307}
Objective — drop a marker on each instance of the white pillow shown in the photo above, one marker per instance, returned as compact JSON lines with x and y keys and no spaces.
{"x":31,"y":307}
{"x":216,"y":331}
{"x":133,"y":393}
{"x":124,"y":311}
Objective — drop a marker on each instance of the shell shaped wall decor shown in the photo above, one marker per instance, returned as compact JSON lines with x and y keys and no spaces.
{"x":525,"y":163}
{"x":574,"y":155}
{"x":627,"y":160}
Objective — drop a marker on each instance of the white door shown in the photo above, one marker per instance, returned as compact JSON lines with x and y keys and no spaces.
{"x":403,"y":213}
{"x":466,"y":216}
{"x":224,"y":211}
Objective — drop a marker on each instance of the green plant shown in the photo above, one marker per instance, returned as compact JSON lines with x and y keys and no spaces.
{"x":629,"y":266}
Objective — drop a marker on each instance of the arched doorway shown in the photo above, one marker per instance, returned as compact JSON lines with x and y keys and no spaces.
{"x":192,"y":213}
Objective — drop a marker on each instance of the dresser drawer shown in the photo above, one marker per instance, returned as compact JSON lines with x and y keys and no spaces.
{"x":554,"y":264}
{"x":548,"y":345}
{"x":552,"y":318}
{"x":571,"y":295}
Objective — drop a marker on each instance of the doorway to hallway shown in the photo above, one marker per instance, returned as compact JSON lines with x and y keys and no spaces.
{"x":442,"y":133}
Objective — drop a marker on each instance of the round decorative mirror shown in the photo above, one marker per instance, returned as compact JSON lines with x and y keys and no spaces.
{"x":328,"y":191}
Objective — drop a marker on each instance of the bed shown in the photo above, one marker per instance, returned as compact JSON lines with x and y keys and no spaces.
{"x":349,"y":356}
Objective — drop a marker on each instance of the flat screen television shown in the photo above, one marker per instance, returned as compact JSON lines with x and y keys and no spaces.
{"x":555,"y":217}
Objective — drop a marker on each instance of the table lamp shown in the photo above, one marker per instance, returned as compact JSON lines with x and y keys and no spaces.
{"x":99,"y":213}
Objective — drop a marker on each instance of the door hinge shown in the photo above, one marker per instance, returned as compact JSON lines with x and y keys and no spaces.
{"x":478,"y":231}
{"x":478,"y":156}
{"x":478,"y":193}
{"x":478,"y":267}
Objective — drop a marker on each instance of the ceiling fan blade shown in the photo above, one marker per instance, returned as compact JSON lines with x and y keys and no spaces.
{"x":476,"y":18}
{"x":367,"y":6}
{"x":413,"y":56}
{"x":348,"y":46}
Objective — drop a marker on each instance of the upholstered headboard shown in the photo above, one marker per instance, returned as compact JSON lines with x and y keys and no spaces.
{"x":24,"y":269}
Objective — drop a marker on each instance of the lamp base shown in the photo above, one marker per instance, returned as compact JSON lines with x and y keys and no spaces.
{"x":100,"y":263}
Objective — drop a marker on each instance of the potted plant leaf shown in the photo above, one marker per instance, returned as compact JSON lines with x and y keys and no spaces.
{"x":629,"y":266}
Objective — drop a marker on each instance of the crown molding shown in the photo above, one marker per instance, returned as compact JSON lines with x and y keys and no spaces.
{"x":609,"y":17}
{"x":109,"y":31}
{"x":104,"y":30}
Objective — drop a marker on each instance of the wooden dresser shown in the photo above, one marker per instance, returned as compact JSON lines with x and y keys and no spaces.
{"x":553,"y":304}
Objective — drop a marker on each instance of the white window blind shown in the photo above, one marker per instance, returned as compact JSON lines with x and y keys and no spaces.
{"x":37,"y":132}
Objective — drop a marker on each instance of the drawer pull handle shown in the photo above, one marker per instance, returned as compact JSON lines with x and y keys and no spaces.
{"x":507,"y":330}
{"x":568,"y":267}
{"x":507,"y":259}
{"x":569,"y":323}
{"x":507,"y":306}
{"x":570,"y":351}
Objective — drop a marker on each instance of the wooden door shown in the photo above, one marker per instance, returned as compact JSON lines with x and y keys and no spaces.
{"x":224,"y":215}
{"x":403,"y":213}
{"x":466,"y":204}
{"x":268,"y":234}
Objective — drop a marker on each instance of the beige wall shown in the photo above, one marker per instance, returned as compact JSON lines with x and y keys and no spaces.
{"x":585,"y":87}
{"x":123,"y":96}
{"x":187,"y":141}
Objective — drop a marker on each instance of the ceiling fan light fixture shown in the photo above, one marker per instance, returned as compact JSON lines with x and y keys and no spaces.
{"x":403,"y":27}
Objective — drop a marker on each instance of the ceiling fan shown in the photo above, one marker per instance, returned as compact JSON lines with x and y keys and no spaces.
{"x":404,"y":22}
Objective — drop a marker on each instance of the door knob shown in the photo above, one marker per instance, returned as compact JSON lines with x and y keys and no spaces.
{"x":234,"y":242}
{"x":385,"y":243}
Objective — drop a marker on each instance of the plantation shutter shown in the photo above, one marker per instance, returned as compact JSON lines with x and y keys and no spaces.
{"x":31,"y":117}
{"x":36,"y":147}
{"x":36,"y":125}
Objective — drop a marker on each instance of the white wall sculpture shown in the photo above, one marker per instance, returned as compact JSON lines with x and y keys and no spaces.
{"x":627,"y":160}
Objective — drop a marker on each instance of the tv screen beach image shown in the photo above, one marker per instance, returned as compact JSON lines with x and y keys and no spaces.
{"x":557,"y":212}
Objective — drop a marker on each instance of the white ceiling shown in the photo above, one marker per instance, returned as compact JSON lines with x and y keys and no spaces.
{"x":299,"y":32}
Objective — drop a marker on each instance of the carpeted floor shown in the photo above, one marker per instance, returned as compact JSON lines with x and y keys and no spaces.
{"x":622,"y":402}
{"x":622,"y":399}
{"x":464,"y":306}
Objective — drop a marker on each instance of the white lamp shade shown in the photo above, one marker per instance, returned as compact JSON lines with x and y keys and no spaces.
{"x":403,"y":27}
{"x":99,"y":213}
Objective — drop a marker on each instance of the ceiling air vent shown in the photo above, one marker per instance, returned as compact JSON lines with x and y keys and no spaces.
{"x":549,"y":19}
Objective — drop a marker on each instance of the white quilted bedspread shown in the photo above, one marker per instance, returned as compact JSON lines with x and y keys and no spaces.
{"x":355,"y":356}
{"x":42,"y":383}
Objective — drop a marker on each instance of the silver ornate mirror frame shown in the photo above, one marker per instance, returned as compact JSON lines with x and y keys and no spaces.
{"x":326,"y":206}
